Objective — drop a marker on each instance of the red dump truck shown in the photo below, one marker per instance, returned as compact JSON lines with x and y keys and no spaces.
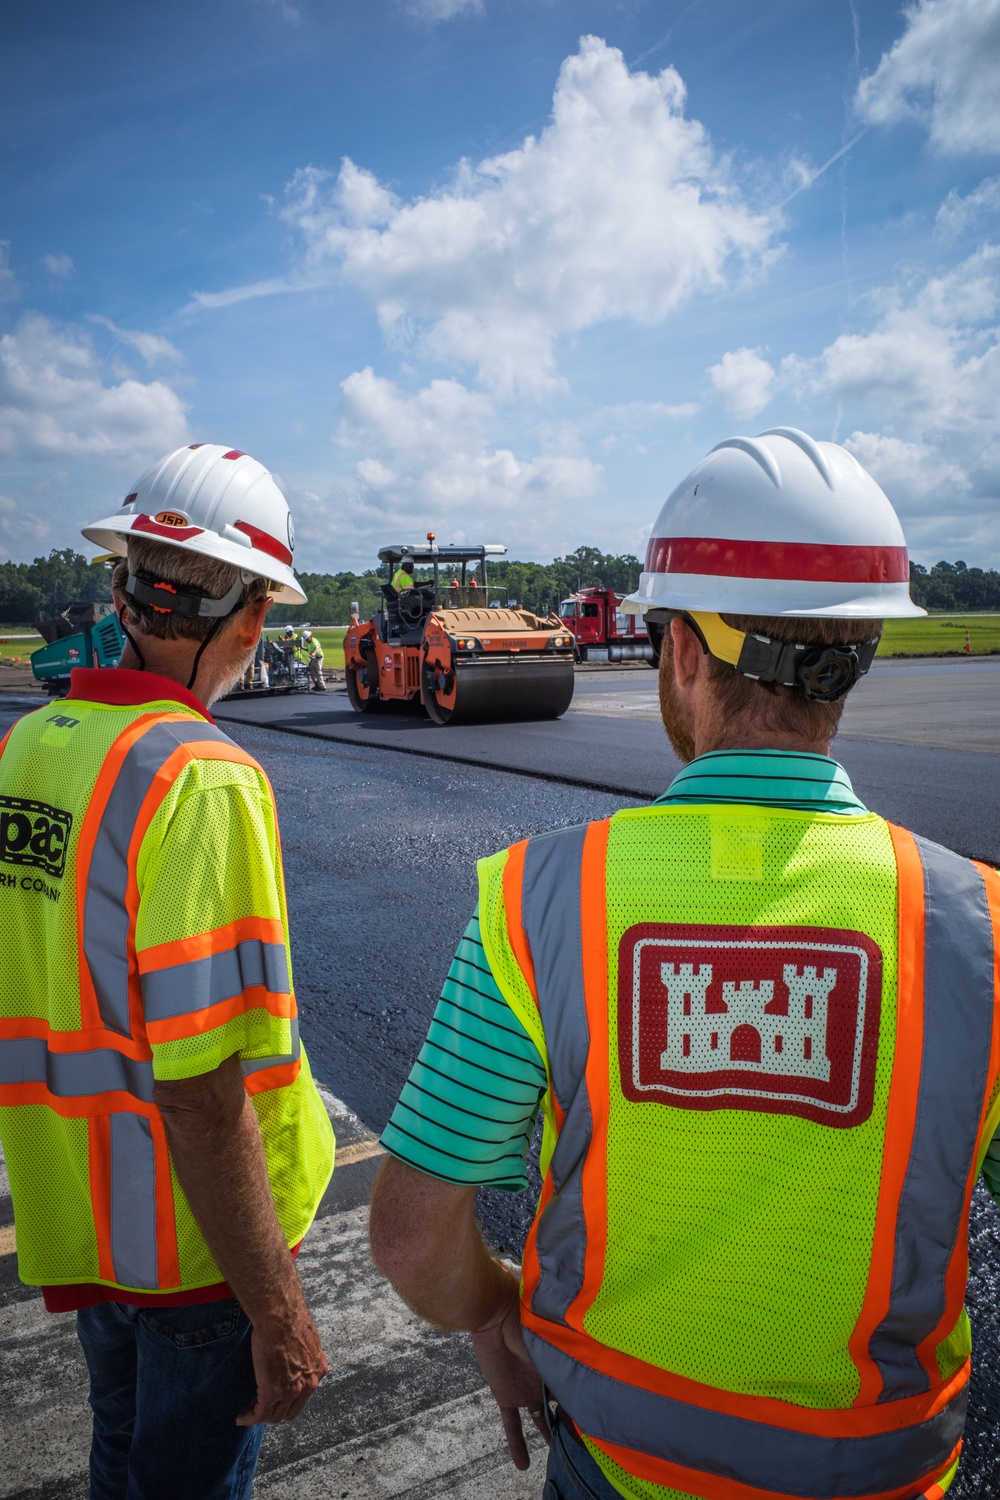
{"x":602,"y":633}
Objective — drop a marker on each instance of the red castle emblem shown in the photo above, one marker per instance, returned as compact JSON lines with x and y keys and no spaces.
{"x":781,"y":1019}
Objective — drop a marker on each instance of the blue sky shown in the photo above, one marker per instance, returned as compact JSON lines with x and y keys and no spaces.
{"x":504,"y":269}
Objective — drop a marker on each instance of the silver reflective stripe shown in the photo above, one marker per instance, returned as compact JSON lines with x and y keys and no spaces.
{"x":105,"y":917}
{"x":734,"y":1448}
{"x":258,"y":1064}
{"x":958,"y":1022}
{"x":550,"y":914}
{"x":73,"y":1075}
{"x":205,"y":982}
{"x":133,"y":1201}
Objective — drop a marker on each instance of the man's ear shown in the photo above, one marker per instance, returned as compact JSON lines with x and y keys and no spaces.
{"x":689,"y":655}
{"x":250,"y":622}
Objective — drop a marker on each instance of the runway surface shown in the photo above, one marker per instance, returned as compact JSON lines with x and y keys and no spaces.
{"x":921,"y":740}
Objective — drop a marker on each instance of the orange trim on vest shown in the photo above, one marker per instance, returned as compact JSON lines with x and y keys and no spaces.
{"x":168,"y":1269}
{"x":278,"y":1077}
{"x":197,"y":1022}
{"x":513,"y":890}
{"x":902,"y":1110}
{"x":714,"y":1487}
{"x":594,"y":953}
{"x":79,"y":1107}
{"x":99,"y":1149}
{"x":835,"y":1422}
{"x":207,"y":944}
{"x":11,"y":1028}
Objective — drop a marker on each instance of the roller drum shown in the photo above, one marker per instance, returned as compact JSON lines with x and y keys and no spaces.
{"x":511,"y":688}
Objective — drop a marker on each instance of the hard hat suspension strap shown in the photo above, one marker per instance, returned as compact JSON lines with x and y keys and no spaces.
{"x":821,"y":673}
{"x":169,"y":599}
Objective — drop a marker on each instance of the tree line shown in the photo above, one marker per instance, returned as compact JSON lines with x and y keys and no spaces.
{"x":40,"y":589}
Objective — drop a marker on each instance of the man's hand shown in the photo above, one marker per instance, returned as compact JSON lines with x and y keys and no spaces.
{"x":218,"y":1155}
{"x":425,"y":1238}
{"x":512,"y":1378}
{"x":289,"y":1364}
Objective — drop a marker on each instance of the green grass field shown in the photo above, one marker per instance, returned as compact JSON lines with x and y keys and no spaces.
{"x":941,"y":633}
{"x":937,"y":633}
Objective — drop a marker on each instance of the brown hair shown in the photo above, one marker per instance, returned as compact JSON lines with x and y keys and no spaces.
{"x":770,"y":707}
{"x":188,"y":570}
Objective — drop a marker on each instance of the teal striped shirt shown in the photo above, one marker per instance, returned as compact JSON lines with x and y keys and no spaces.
{"x":468,"y":1109}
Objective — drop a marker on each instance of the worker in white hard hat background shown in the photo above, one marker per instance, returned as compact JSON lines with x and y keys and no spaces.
{"x":314,"y":659}
{"x":761,"y":1025}
{"x":166,"y":1145}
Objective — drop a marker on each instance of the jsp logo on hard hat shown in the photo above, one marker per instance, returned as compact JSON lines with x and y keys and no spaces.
{"x":171,"y":518}
{"x":32,"y":833}
{"x":777,"y":1019}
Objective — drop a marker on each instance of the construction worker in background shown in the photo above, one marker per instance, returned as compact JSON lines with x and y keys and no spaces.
{"x":166,"y":1145}
{"x":763,"y":1029}
{"x":314,"y":658}
{"x":403,"y":576}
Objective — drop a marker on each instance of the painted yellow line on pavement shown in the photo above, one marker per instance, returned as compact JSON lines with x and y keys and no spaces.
{"x":359,"y":1151}
{"x":7,"y":1243}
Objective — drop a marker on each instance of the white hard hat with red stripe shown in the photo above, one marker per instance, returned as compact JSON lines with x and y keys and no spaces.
{"x":777,"y":525}
{"x":215,"y":501}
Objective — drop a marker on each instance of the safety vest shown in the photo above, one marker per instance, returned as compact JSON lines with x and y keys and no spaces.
{"x":402,"y":580}
{"x":104,"y":987}
{"x":772,"y":1047}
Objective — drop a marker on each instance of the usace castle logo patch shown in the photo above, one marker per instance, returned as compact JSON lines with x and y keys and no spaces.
{"x":781,"y":1019}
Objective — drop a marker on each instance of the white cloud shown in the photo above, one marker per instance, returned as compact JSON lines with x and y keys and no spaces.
{"x":943,"y":72}
{"x":150,"y":346}
{"x":442,"y":10}
{"x":9,"y":289}
{"x":742,"y":380}
{"x":620,"y":209}
{"x":60,"y":265}
{"x":54,"y":401}
{"x":958,"y":214}
{"x":427,"y":462}
{"x":930,"y":369}
{"x":914,"y":469}
{"x":934,"y":359}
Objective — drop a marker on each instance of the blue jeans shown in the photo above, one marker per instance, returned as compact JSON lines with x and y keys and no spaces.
{"x":166,"y":1387}
{"x":571,"y":1473}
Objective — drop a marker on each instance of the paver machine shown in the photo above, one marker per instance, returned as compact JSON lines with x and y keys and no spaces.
{"x":453,"y":642}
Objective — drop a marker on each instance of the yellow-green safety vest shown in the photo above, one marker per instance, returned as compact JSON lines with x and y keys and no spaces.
{"x":143,"y":935}
{"x":772,"y":1047}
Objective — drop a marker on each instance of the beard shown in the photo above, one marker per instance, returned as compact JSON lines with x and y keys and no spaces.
{"x":680,"y":731}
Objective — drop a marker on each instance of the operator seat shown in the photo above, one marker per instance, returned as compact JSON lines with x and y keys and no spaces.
{"x":407,"y":634}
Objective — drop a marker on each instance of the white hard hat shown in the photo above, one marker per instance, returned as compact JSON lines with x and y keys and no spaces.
{"x":777,"y":525}
{"x":215,"y":501}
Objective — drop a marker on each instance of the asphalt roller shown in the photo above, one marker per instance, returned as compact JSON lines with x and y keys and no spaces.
{"x":453,"y":643}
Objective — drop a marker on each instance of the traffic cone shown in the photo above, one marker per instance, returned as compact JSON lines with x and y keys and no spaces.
{"x":968,"y":643}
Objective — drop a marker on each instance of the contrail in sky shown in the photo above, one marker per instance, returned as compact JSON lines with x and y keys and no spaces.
{"x":820,"y":170}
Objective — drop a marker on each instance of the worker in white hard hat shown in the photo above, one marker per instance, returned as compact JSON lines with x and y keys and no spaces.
{"x":166,"y":1144}
{"x":314,"y":660}
{"x":763,"y":1030}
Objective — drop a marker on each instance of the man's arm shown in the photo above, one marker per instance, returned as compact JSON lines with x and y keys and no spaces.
{"x":425,"y":1239}
{"x":218,"y":1155}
